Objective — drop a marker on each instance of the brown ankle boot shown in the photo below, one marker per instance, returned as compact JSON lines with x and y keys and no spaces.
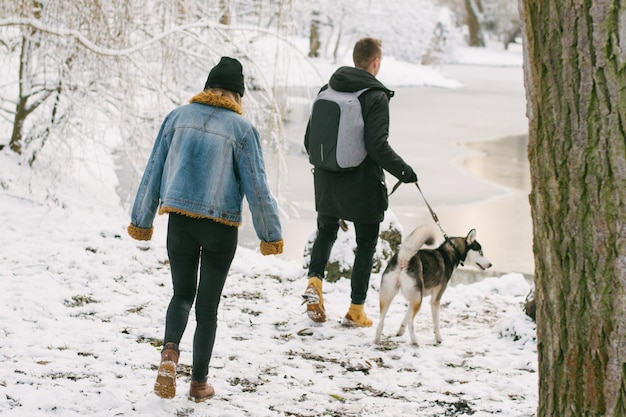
{"x":200,"y":391}
{"x":165,"y":385}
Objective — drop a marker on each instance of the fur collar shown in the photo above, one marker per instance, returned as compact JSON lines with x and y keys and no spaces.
{"x":213,"y":99}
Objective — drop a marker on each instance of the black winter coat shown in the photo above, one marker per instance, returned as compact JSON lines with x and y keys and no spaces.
{"x":360,"y":194}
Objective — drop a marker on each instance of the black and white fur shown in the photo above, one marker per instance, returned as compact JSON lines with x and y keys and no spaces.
{"x":425,"y":272}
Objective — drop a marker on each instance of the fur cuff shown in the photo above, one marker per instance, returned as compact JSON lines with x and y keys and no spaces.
{"x":272,"y":248}
{"x":138,"y":233}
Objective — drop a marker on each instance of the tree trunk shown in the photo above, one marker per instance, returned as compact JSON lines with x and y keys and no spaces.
{"x":21,"y":111}
{"x":574,"y":69}
{"x":314,"y":35}
{"x":224,"y":12}
{"x":18,"y":126}
{"x":474,"y":17}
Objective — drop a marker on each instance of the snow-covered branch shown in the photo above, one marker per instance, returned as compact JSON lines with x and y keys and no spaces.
{"x":182,"y":29}
{"x":93,"y":47}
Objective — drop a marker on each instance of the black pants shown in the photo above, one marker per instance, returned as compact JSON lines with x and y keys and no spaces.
{"x":366,"y":239}
{"x":212,"y":245}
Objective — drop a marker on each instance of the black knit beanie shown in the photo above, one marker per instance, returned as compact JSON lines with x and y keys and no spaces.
{"x":228,"y":74}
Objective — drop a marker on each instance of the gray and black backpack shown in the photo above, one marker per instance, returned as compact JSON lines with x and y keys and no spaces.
{"x":336,"y":129}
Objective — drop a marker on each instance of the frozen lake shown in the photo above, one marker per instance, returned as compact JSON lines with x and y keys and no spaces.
{"x":468,"y":146}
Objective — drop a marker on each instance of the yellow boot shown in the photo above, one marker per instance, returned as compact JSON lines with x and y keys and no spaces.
{"x":356,"y":317}
{"x":314,"y":300}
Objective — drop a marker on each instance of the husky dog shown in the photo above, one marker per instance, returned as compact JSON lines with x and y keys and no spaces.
{"x":425,"y":272}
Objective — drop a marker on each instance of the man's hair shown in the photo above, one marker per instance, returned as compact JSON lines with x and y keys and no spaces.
{"x":365,"y":50}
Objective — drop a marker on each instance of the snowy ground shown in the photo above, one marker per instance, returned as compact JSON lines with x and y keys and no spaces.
{"x":84,"y":309}
{"x":83,"y":315}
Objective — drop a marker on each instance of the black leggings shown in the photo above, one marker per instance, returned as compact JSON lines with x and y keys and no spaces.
{"x":212,"y":245}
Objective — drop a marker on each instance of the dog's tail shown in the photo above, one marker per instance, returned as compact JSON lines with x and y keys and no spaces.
{"x":420,"y":236}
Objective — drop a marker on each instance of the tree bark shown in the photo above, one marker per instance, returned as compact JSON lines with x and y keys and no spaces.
{"x":574,"y":69}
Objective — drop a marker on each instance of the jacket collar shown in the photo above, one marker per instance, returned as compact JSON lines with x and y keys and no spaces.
{"x":355,"y":79}
{"x":217,"y":100}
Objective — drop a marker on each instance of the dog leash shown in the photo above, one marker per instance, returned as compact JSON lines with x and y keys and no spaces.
{"x":434,"y":216}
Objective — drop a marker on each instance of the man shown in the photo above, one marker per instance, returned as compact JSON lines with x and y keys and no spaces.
{"x":206,"y":157}
{"x":358,"y":195}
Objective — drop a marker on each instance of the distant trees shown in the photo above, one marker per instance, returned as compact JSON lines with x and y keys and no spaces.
{"x":408,"y":28}
{"x":79,"y":71}
{"x":40,"y":75}
{"x":575,"y":72}
{"x":496,"y":18}
{"x":65,"y":61}
{"x":76,"y":71}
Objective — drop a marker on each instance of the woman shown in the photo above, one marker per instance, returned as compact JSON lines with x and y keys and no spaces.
{"x":206,"y":157}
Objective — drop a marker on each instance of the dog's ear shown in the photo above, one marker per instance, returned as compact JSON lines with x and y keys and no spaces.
{"x":471,"y":237}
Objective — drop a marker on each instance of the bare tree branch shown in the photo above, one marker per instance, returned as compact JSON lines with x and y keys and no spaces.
{"x":91,"y":46}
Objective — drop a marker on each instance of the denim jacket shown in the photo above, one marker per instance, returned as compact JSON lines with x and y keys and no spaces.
{"x":206,"y":157}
